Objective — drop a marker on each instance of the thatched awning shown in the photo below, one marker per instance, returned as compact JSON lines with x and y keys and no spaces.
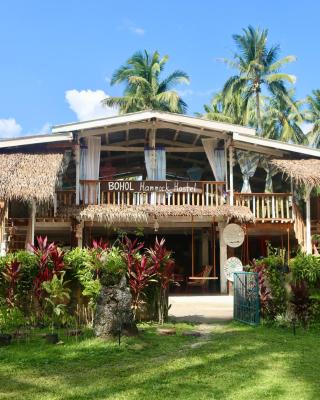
{"x":139,"y":214}
{"x":27,"y":177}
{"x":306,"y":172}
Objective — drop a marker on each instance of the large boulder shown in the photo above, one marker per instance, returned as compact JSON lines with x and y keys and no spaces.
{"x":113,"y":311}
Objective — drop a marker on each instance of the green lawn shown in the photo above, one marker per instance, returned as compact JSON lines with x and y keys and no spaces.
{"x":234,"y":362}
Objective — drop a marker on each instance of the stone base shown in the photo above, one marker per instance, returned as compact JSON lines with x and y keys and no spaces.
{"x":114,"y":313}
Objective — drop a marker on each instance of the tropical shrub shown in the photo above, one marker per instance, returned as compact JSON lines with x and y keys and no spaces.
{"x":306,"y":267}
{"x":273,"y":270}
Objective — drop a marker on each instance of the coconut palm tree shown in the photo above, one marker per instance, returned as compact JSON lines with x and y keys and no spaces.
{"x":282,"y":121}
{"x":229,"y":109}
{"x":258,"y":66}
{"x":144,"y":89}
{"x":312,"y":115}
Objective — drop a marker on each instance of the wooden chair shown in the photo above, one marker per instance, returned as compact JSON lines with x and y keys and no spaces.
{"x":203,"y":278}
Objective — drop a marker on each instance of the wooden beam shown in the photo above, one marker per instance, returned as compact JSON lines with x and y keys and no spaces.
{"x":196,"y":149}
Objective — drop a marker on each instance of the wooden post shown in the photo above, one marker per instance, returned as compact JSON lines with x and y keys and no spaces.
{"x":33,"y":221}
{"x":223,"y":259}
{"x":231,"y":175}
{"x":77,"y":160}
{"x":308,"y":222}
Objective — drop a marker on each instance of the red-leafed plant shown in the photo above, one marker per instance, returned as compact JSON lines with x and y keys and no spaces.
{"x":11,"y":274}
{"x":50,"y":263}
{"x":264,"y":291}
{"x":140,"y":273}
{"x":163,"y":264}
{"x":99,"y":251}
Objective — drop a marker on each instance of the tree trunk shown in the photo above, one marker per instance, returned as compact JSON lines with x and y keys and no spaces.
{"x":259,"y":123}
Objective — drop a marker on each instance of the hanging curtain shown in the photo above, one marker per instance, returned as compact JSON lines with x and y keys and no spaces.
{"x":150,"y":162}
{"x":271,"y":171}
{"x":89,"y":168}
{"x":155,"y":161}
{"x":248,"y":162}
{"x":161,"y":167}
{"x":216,"y":158}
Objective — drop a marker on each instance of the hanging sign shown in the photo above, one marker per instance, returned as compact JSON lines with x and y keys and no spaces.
{"x":232,"y":265}
{"x":233,"y":235}
{"x":152,"y":186}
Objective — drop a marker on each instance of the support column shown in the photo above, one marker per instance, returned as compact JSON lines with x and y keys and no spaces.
{"x":77,"y":160}
{"x":33,"y":221}
{"x":231,"y":196}
{"x":79,"y":234}
{"x":308,"y":222}
{"x":223,"y":259}
{"x":204,"y":247}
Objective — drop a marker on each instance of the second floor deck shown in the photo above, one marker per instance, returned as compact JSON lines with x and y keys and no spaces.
{"x":266,"y":207}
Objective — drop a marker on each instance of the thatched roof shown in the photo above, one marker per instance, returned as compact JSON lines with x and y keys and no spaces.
{"x":138,"y":214}
{"x":305,"y":172}
{"x":29,"y":177}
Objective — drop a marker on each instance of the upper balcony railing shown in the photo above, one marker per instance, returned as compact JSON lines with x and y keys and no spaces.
{"x":267,"y":207}
{"x":169,"y":193}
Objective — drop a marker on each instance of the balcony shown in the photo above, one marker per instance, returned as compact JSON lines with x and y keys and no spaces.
{"x":169,"y":193}
{"x":267,"y":207}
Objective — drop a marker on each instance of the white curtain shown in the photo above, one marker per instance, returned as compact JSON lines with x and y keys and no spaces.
{"x":248,"y":164}
{"x":150,"y":162}
{"x":89,"y":168}
{"x":155,"y":161}
{"x":216,"y":158}
{"x":161,"y":167}
{"x":271,"y":171}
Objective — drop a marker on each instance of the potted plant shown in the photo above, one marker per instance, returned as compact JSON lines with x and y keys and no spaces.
{"x":57,"y":295}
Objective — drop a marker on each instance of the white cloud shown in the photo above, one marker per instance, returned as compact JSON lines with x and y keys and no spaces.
{"x":130,"y":26}
{"x":137,"y":30}
{"x":46,"y":128}
{"x":9,"y":128}
{"x":87,"y":104}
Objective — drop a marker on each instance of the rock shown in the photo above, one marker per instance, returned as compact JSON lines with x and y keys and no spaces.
{"x":191,"y":333}
{"x":166,"y":331}
{"x":113,"y":311}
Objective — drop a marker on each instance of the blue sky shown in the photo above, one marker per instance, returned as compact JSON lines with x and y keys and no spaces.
{"x":57,"y":56}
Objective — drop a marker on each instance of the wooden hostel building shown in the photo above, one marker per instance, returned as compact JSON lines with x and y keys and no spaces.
{"x":154,"y":173}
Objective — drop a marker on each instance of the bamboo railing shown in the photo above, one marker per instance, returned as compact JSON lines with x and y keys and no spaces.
{"x":209,"y":193}
{"x":266,"y":207}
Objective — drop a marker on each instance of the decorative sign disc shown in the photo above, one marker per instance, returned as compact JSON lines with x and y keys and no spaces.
{"x":233,"y":235}
{"x":233,"y":264}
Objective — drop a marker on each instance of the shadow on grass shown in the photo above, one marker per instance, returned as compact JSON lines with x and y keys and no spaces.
{"x":236,"y":362}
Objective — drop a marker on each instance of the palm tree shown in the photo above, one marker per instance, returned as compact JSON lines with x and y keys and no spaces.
{"x":258,"y":66}
{"x":143,"y":88}
{"x":229,"y":109}
{"x":312,"y":115}
{"x":281,"y":121}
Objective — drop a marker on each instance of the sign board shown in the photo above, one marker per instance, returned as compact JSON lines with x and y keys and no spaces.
{"x":233,"y":235}
{"x":232,"y":265}
{"x":151,"y":186}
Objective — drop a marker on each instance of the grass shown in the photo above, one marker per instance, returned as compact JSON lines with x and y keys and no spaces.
{"x":233,"y":362}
